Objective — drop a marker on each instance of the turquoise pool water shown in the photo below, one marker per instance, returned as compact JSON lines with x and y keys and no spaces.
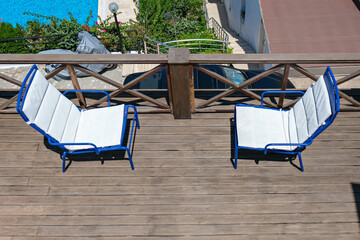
{"x":12,"y":10}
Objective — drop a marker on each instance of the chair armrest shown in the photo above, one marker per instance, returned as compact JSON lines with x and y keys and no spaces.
{"x":91,"y":91}
{"x":51,"y":142}
{"x":288,"y":144}
{"x":278,"y":91}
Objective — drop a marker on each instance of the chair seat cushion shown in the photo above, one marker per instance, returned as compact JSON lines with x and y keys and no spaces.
{"x":256,"y":127}
{"x":101,"y":126}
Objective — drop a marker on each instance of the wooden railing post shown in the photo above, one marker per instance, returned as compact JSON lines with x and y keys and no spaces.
{"x":76,"y":85}
{"x":179,"y":82}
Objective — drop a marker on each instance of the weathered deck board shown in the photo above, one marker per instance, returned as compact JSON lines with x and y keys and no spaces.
{"x":183,"y":186}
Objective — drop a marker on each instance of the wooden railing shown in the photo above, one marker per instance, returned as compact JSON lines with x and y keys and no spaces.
{"x":180,"y":65}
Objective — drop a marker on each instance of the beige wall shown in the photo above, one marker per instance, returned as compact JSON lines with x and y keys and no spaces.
{"x":126,"y":7}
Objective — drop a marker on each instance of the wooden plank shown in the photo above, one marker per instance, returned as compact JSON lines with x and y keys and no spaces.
{"x":183,"y":186}
{"x":83,"y":58}
{"x":189,"y":219}
{"x":168,"y":230}
{"x":300,"y":58}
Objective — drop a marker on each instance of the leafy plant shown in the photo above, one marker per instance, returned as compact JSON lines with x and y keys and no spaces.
{"x":166,"y":20}
{"x":7,"y":31}
{"x":64,"y":31}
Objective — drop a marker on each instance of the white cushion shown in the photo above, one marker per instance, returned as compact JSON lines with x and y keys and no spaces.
{"x":71,"y":125}
{"x":35,"y":96}
{"x":101,"y":126}
{"x":310,"y":111}
{"x":47,"y":108}
{"x":300,"y":121}
{"x":60,"y":118}
{"x":57,"y":116}
{"x":322,"y":100}
{"x":257,"y":127}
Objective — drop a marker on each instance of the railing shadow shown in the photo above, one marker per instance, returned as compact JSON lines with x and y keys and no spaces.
{"x":356,"y":191}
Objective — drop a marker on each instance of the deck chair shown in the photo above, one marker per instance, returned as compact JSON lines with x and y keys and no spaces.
{"x":75,"y":131}
{"x":287,"y":131}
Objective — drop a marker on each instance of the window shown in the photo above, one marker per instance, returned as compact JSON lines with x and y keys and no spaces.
{"x":242,"y":11}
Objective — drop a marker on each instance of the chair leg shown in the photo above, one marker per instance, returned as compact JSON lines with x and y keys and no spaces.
{"x":130,"y":159}
{"x":63,"y":163}
{"x":236,"y":157}
{"x":300,"y":160}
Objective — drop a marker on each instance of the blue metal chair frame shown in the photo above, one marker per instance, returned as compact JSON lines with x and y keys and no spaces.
{"x":335,"y":106}
{"x":95,"y":149}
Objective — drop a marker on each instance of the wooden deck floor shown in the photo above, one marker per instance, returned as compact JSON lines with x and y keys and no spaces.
{"x":183,"y":186}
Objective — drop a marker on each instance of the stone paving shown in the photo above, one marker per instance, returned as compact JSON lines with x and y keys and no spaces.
{"x":20,"y":72}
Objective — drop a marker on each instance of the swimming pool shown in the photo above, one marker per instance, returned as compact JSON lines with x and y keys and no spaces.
{"x":12,"y":10}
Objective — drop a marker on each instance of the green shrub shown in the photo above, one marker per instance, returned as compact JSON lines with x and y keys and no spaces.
{"x":166,"y":20}
{"x":7,"y":31}
{"x":67,"y":29}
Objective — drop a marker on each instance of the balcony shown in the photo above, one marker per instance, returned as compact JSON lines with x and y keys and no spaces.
{"x":184,"y":185}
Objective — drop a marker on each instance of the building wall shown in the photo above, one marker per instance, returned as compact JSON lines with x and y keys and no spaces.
{"x":126,"y":7}
{"x":249,"y":27}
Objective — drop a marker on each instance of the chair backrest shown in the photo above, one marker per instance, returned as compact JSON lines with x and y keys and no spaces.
{"x":43,"y":107}
{"x":316,"y":110}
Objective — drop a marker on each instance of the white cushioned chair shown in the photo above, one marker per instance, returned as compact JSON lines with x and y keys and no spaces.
{"x":74,"y":130}
{"x":287,"y":131}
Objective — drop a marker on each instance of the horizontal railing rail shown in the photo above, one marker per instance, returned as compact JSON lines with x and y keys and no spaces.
{"x":153,"y":46}
{"x":199,"y":45}
{"x":180,"y":65}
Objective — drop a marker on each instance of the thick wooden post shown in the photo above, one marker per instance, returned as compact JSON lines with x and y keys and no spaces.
{"x":179,"y":87}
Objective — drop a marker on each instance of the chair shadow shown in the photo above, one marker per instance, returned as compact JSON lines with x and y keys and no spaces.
{"x":258,"y":156}
{"x":113,"y":155}
{"x":356,"y":191}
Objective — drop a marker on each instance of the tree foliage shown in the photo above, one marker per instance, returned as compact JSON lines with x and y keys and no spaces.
{"x":166,"y":20}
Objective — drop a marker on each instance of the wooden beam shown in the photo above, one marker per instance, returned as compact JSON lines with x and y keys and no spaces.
{"x":10,"y":80}
{"x":56,"y":71}
{"x":304,"y":72}
{"x":191,"y":86}
{"x":260,"y":76}
{"x":348,"y":98}
{"x":217,"y":76}
{"x":76,"y":85}
{"x":169,"y":89}
{"x":121,"y":89}
{"x":179,"y":79}
{"x":348,"y":77}
{"x":238,"y":87}
{"x":84,"y":58}
{"x":302,"y":58}
{"x":284,"y":84}
{"x":10,"y":101}
{"x":216,"y":98}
